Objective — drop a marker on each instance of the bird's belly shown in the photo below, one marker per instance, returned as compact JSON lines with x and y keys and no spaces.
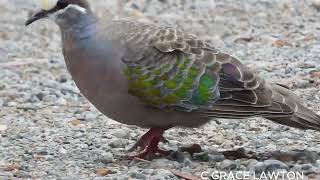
{"x":114,"y":101}
{"x":105,"y":86}
{"x":127,"y":109}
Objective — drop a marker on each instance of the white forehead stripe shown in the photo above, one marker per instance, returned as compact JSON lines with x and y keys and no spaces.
{"x":81,"y":9}
{"x":48,"y":4}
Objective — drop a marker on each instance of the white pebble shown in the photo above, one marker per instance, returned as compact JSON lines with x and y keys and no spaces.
{"x":3,"y":127}
{"x":107,"y":157}
{"x":120,"y":133}
{"x":63,"y":151}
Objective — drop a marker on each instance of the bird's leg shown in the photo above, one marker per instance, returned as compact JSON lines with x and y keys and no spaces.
{"x":148,"y":143}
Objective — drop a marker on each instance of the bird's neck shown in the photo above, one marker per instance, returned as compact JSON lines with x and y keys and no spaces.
{"x":81,"y":27}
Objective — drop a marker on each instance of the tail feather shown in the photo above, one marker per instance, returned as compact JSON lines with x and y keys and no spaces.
{"x":302,"y":117}
{"x":301,"y":120}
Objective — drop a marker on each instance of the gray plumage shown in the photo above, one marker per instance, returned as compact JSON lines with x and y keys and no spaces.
{"x":156,"y":76}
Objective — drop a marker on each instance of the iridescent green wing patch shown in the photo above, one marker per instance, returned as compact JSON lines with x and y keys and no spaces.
{"x":180,"y":83}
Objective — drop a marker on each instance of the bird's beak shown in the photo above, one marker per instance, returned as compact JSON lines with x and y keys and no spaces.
{"x":39,"y":15}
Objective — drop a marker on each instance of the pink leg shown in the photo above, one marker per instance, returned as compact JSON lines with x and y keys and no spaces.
{"x":148,"y":144}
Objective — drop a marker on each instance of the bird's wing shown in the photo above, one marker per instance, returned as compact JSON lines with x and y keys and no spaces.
{"x":174,"y":70}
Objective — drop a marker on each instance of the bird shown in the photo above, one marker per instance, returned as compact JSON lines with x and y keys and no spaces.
{"x":160,"y":77}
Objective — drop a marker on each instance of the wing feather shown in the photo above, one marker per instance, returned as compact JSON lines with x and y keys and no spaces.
{"x":174,"y":70}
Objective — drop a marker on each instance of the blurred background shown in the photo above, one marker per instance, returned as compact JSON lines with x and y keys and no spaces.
{"x":48,"y":130}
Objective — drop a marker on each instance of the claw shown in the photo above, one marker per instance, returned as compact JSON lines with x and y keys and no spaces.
{"x":148,"y":144}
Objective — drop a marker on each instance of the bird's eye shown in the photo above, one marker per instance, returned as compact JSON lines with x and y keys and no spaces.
{"x":62,"y":4}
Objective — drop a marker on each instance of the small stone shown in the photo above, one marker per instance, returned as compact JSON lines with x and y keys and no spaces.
{"x":62,"y":102}
{"x":6,"y":175}
{"x":91,"y":116}
{"x":191,"y":149}
{"x":203,"y":156}
{"x":76,"y":122}
{"x":63,"y":151}
{"x":187,"y":162}
{"x":43,"y":152}
{"x":273,"y":165}
{"x":120,"y":133}
{"x":306,"y":167}
{"x":3,"y":127}
{"x":219,"y":139}
{"x":259,"y":167}
{"x":40,"y":96}
{"x":316,"y":4}
{"x":148,"y":171}
{"x":83,"y":146}
{"x":107,"y":157}
{"x":280,"y":43}
{"x":216,"y":158}
{"x":302,"y":156}
{"x":63,"y":79}
{"x":251,"y":164}
{"x":228,"y":165}
{"x":301,"y":83}
{"x":10,"y":168}
{"x":102,"y":171}
{"x":158,"y":177}
{"x":137,"y":175}
{"x":296,"y":168}
{"x":12,"y":104}
{"x":315,"y":74}
{"x":163,"y":172}
{"x":116,"y":143}
{"x":178,"y":156}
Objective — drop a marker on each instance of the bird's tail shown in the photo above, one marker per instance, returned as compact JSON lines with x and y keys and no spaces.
{"x":302,"y":117}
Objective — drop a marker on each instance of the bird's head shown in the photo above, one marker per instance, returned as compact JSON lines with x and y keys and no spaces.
{"x":60,"y":10}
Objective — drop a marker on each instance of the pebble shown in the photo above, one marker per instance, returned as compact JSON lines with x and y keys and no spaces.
{"x":12,"y":104}
{"x":3,"y":127}
{"x":62,"y":102}
{"x":306,"y":167}
{"x":121,"y":133}
{"x":272,"y":165}
{"x":296,"y":168}
{"x":219,"y":139}
{"x":259,"y":167}
{"x":203,"y":156}
{"x":116,"y":143}
{"x":107,"y":157}
{"x":63,"y":151}
{"x":250,"y":164}
{"x":178,"y":156}
{"x":301,"y":83}
{"x":316,"y":4}
{"x":102,"y":171}
{"x":137,"y":175}
{"x":228,"y":165}
{"x":187,"y":162}
{"x":216,"y":158}
{"x":91,"y":116}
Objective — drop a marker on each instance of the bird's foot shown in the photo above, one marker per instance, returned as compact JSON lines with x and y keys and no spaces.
{"x":148,"y":144}
{"x":149,"y":153}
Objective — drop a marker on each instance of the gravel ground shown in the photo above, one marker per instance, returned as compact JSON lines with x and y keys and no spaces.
{"x":49,"y":131}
